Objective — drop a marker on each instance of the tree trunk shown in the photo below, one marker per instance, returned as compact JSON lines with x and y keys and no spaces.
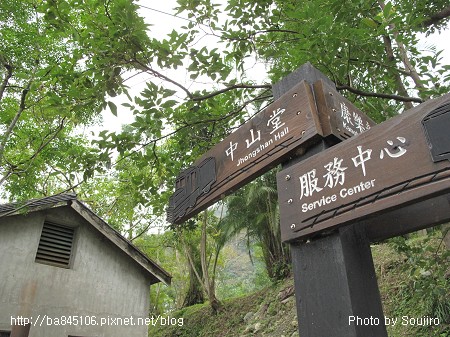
{"x":276,"y":259}
{"x":208,"y":282}
{"x":194,"y":294}
{"x":13,"y":123}
{"x":204,"y":279}
{"x":5,"y":80}
{"x":405,"y":59}
{"x":391,"y":60}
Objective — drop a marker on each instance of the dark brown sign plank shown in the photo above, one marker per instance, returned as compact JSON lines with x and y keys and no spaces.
{"x":337,"y":115}
{"x":409,"y":218}
{"x":258,"y":145}
{"x":287,"y":127}
{"x":375,"y":172}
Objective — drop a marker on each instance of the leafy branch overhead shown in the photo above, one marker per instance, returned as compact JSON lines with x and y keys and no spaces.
{"x":58,"y":63}
{"x":62,"y":62}
{"x":369,"y":49}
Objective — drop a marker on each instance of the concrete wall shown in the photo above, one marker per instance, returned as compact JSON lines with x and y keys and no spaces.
{"x":103,"y":285}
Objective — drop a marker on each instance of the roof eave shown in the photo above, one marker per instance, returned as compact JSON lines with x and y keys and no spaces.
{"x":157,"y":273}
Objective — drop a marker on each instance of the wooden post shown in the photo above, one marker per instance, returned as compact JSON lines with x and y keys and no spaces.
{"x":336,"y":288}
{"x":335,"y":282}
{"x":306,"y":72}
{"x":325,"y":195}
{"x":21,"y":330}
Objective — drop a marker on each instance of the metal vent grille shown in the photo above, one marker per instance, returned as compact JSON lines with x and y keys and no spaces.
{"x":55,"y":245}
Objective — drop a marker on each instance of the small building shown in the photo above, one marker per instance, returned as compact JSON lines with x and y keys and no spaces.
{"x":64,"y":272}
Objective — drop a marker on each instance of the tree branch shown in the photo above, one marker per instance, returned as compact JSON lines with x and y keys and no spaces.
{"x":5,"y":176}
{"x":6,"y":79}
{"x":404,"y":56}
{"x":230,"y":114}
{"x":251,"y":35}
{"x":14,"y":121}
{"x":374,"y":94}
{"x":159,"y":75}
{"x":200,"y":98}
{"x":380,"y":64}
{"x":391,"y":59}
{"x":66,"y":180}
{"x":236,"y":86}
{"x":13,"y":168}
{"x":46,"y":142}
{"x":22,"y":107}
{"x":436,"y":17}
{"x":142,"y":232}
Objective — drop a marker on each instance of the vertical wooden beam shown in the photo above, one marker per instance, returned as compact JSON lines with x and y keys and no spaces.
{"x":306,"y":72}
{"x":20,"y":330}
{"x":335,"y":283}
{"x":336,"y":288}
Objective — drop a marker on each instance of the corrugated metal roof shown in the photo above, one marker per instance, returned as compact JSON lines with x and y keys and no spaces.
{"x":36,"y":203}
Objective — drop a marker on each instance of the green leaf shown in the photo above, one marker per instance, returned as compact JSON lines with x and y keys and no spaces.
{"x":369,"y":23}
{"x":387,"y":10}
{"x":113,"y":108}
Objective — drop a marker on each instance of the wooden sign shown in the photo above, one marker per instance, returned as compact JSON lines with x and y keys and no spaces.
{"x":394,"y":164}
{"x":337,"y":115}
{"x":255,"y":147}
{"x":293,"y":122}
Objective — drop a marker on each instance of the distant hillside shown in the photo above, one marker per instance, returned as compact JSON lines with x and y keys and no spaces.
{"x":241,"y":274}
{"x":259,"y":314}
{"x":272,"y":312}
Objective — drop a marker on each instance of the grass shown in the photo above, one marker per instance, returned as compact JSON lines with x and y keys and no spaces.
{"x":398,"y":284}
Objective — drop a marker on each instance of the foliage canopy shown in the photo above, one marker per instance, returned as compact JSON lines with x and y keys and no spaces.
{"x":62,"y":62}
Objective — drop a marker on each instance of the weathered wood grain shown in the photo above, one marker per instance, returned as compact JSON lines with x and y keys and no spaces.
{"x":400,"y":172}
{"x":288,"y":127}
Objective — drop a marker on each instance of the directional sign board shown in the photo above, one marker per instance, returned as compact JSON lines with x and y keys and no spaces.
{"x":338,"y":116}
{"x":394,"y":164}
{"x":286,"y":127}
